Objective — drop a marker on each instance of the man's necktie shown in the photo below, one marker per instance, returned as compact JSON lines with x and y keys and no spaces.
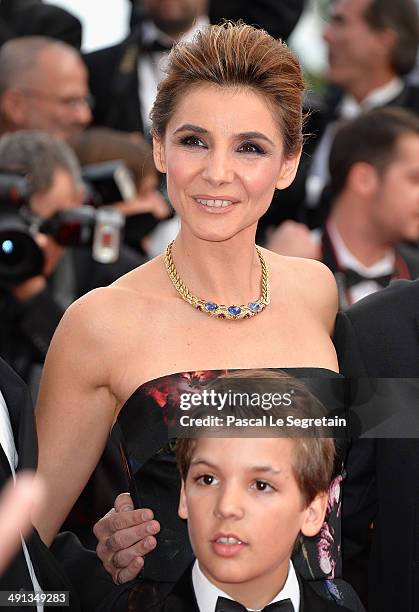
{"x":353,"y":278}
{"x":228,"y":605}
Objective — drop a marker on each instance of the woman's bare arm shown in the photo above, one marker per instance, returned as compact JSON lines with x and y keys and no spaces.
{"x":76,"y":408}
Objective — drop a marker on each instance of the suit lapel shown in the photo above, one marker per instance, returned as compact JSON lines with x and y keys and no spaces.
{"x":19,"y":405}
{"x":126,"y":110}
{"x":311,"y":601}
{"x":182,"y":597}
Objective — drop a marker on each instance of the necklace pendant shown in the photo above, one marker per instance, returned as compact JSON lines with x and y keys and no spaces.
{"x":233,"y":312}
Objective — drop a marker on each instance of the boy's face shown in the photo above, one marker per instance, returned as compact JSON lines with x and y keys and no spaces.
{"x":245,"y":511}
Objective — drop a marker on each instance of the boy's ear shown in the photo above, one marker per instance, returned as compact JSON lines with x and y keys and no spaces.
{"x":288,"y":170}
{"x":314,"y":515}
{"x":158,"y":154}
{"x":183,"y":509}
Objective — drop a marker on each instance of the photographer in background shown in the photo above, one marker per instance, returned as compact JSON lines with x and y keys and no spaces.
{"x":30,"y":310}
{"x":145,"y":207}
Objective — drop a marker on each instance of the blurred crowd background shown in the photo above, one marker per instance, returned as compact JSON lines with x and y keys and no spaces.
{"x":81,"y":201}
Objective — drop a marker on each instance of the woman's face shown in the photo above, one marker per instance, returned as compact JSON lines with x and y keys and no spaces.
{"x":223,"y":156}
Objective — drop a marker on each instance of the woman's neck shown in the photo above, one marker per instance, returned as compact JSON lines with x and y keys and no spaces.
{"x":227,"y":272}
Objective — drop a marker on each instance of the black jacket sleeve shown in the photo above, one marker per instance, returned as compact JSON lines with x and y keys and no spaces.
{"x":360,"y":497}
{"x":39,"y":318}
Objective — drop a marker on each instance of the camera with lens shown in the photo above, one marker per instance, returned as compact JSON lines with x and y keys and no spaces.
{"x":21,"y":257}
{"x":111,"y":182}
{"x":108,"y":182}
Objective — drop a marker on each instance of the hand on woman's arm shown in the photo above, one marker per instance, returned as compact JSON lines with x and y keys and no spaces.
{"x":124,"y":537}
{"x":75,"y":410}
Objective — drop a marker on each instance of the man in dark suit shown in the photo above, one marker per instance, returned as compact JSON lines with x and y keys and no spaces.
{"x":31,"y":309}
{"x":71,"y":568}
{"x":124,"y":77}
{"x":375,"y":206}
{"x":379,"y":338}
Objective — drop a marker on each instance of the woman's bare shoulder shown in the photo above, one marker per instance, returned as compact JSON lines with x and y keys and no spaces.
{"x":127,"y":295}
{"x":309,"y":280}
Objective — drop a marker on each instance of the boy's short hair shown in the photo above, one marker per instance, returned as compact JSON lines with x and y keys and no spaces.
{"x":314,"y":454}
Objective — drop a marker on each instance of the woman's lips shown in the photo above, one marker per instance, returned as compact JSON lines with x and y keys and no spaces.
{"x":215,"y":205}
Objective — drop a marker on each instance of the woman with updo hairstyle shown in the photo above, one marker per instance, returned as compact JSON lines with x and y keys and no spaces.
{"x":227,"y":132}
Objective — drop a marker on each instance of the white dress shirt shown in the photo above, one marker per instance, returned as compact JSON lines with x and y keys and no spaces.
{"x":207,"y":593}
{"x":349,"y":108}
{"x":347,"y":260}
{"x":8,"y":444}
{"x":151,"y":65}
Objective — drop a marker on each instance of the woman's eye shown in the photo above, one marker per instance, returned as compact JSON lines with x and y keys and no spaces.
{"x":251,"y":147}
{"x":192,"y":141}
{"x":261,"y":485}
{"x":206,"y":479}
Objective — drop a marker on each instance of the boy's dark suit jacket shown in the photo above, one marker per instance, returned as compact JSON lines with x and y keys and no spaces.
{"x":379,"y":337}
{"x":75,"y":563}
{"x":155,"y":597}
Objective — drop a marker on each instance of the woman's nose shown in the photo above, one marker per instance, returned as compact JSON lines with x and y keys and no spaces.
{"x":218,"y":168}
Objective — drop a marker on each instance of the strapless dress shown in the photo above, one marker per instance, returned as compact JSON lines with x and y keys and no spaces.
{"x":148,"y":456}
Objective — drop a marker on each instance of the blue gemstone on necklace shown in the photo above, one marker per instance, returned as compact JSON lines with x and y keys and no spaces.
{"x":210,"y":306}
{"x":254,"y":306}
{"x":234,"y":310}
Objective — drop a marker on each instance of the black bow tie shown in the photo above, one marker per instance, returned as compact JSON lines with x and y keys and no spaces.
{"x":155,"y":46}
{"x":353,"y":278}
{"x":228,"y":605}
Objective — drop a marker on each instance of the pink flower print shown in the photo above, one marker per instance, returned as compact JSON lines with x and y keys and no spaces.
{"x":324,"y":548}
{"x":334,"y":499}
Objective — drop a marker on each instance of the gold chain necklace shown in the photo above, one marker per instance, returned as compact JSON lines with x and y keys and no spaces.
{"x":220,"y":310}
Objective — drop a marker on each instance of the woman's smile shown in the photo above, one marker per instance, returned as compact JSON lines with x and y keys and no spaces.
{"x":223,"y":155}
{"x":216,"y":204}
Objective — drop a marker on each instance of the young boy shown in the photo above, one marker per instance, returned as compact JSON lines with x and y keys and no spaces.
{"x":247,"y":500}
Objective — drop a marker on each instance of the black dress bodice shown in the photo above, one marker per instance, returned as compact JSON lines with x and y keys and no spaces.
{"x":147,"y":452}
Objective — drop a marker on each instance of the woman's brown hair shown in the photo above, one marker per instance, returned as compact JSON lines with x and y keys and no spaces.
{"x":235,"y":55}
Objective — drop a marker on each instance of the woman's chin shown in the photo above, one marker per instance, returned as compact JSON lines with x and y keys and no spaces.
{"x":222,"y":233}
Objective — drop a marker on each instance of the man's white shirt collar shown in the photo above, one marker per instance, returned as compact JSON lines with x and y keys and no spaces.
{"x":347,"y":260}
{"x":207,"y":593}
{"x":381,"y":96}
